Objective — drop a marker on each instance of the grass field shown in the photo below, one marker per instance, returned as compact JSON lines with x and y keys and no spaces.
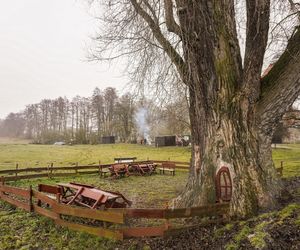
{"x":30,"y":155}
{"x":22,"y":230}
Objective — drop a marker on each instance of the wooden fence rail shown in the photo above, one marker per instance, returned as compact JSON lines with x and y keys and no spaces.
{"x":35,"y":201}
{"x":51,"y":171}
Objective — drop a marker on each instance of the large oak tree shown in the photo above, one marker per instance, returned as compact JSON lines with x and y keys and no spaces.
{"x":233,"y":110}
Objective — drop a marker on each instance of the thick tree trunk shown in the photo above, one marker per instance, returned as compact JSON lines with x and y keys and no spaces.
{"x":222,"y":110}
{"x":228,"y":141}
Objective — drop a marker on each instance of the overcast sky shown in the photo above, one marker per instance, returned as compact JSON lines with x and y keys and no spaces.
{"x":43,"y":49}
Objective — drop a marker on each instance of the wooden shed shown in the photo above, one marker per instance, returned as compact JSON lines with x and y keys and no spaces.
{"x":162,"y":141}
{"x":108,"y":140}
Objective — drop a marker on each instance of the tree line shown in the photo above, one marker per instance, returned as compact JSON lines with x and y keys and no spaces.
{"x":85,"y":120}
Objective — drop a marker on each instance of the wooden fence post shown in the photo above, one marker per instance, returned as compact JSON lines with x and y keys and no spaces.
{"x":30,"y":199}
{"x":2,"y":184}
{"x":281,"y":168}
{"x":2,"y":180}
{"x":76,"y":169}
{"x":17,"y":166}
{"x":51,"y":168}
{"x":100,"y":169}
{"x":48,"y":170}
{"x":167,"y":221}
{"x":39,"y":202}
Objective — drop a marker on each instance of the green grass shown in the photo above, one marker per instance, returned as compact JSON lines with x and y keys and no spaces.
{"x":290,"y":155}
{"x":255,"y":229}
{"x":22,"y":230}
{"x":29,"y":155}
{"x":144,"y":191}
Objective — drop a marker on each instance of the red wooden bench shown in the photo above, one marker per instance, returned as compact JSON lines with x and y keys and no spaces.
{"x":167,"y":167}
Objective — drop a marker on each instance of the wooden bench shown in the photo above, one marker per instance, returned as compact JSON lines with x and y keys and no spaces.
{"x":103,"y":171}
{"x":167,"y":167}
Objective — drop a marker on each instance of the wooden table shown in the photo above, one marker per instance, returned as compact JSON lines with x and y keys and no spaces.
{"x":91,"y":197}
{"x":119,"y":170}
{"x":143,"y":168}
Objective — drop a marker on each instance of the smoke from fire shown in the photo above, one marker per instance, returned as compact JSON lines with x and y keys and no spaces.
{"x":142,"y":124}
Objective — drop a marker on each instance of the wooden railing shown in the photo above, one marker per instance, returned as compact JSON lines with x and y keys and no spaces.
{"x":52,"y":171}
{"x":63,"y":215}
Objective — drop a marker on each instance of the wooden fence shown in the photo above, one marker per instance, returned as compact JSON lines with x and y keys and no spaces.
{"x":114,"y":222}
{"x":51,"y":171}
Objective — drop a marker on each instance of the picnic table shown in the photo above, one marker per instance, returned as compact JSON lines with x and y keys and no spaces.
{"x":91,"y":197}
{"x":118,"y":170}
{"x":143,"y":168}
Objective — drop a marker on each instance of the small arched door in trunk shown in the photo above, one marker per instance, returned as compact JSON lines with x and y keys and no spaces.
{"x":223,"y":185}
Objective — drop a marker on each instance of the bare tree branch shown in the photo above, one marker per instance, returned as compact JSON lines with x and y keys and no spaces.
{"x":281,"y":86}
{"x":295,"y":7}
{"x":169,"y":49}
{"x":258,"y":13}
{"x":170,"y":21}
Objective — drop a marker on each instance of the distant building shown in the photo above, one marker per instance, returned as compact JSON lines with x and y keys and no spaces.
{"x":108,"y":140}
{"x":162,"y":141}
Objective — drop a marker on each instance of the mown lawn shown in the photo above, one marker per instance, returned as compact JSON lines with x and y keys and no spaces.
{"x":144,"y":191}
{"x":29,"y":155}
{"x":290,"y":155}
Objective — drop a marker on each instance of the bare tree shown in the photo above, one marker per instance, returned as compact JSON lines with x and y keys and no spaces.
{"x":233,"y":111}
{"x":124,"y":113}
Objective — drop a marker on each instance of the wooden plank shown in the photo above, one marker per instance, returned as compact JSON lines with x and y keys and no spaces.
{"x":88,"y":172}
{"x":108,"y":216}
{"x":175,"y":162}
{"x":117,"y":235}
{"x":16,"y":191}
{"x":44,"y":198}
{"x":144,"y":231}
{"x":20,"y":170}
{"x":49,"y":189}
{"x":144,"y":213}
{"x":218,"y":209}
{"x":62,"y":174}
{"x":41,"y":169}
{"x":182,"y":167}
{"x":21,"y":177}
{"x":45,"y":212}
{"x":14,"y":202}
